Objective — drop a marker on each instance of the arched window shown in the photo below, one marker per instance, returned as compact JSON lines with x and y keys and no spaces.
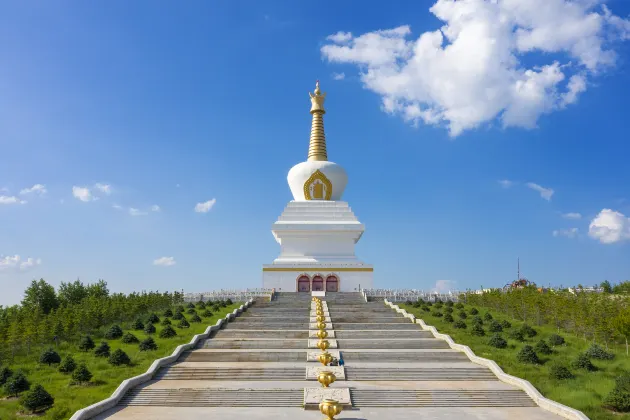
{"x":304,"y":284}
{"x":318,"y":284}
{"x":332,"y":284}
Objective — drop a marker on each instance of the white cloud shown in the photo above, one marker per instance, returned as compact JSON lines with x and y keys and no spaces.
{"x":165,"y":261}
{"x":155,"y":207}
{"x":205,"y":207}
{"x":117,"y":206}
{"x":545,"y":193}
{"x":104,"y":188}
{"x":16,"y":262}
{"x":37,"y":188}
{"x":137,"y":212}
{"x":82,"y":193}
{"x":444,"y":286}
{"x":339,"y":76}
{"x":609,"y":227}
{"x":471,"y":71}
{"x":569,"y":233}
{"x":505,"y":183}
{"x":5,"y":199}
{"x":574,"y":216}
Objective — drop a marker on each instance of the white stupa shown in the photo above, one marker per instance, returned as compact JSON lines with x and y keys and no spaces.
{"x":317,"y":231}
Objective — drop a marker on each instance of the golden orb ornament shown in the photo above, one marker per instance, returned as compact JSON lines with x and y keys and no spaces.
{"x":320,"y":318}
{"x":315,"y":298}
{"x":319,"y":312}
{"x":321,"y":326}
{"x":325,"y":358}
{"x":330,"y":408}
{"x":323,"y":345}
{"x":326,"y":378}
{"x":321,"y":334}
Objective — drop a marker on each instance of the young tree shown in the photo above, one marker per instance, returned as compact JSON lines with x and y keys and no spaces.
{"x":72,"y":293}
{"x":606,"y":286}
{"x":148,"y":344}
{"x":168,"y":332}
{"x":16,"y":384}
{"x":81,"y":374}
{"x":37,"y":399}
{"x":86,"y":343}
{"x":114,"y":332}
{"x":40,"y":295}
{"x":5,"y":374}
{"x":119,"y":357}
{"x":50,"y":357}
{"x":67,"y":365}
{"x":149,"y":329}
{"x":102,"y":350}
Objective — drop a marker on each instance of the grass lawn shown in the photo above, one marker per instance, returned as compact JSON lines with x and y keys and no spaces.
{"x":70,"y":398}
{"x":584,"y":393}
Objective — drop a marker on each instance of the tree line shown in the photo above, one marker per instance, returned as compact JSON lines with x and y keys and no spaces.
{"x":46,"y":316}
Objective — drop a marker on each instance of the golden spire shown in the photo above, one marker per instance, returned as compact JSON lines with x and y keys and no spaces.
{"x":317,"y":145}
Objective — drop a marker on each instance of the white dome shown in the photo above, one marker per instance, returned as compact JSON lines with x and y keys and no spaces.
{"x":304,"y":177}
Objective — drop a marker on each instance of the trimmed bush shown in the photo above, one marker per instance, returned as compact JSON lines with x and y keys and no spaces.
{"x":50,"y":357}
{"x":408,"y":302}
{"x":180,"y":309}
{"x":558,"y":371}
{"x":129,"y":338}
{"x":137,"y":325}
{"x":449,"y":304}
{"x":153,"y":319}
{"x":438,"y":305}
{"x":543,"y":348}
{"x":5,"y":374}
{"x":459,"y":306}
{"x":166,"y":321}
{"x":17,"y":383}
{"x":426,"y":309}
{"x":167,"y":312}
{"x":178,"y":316}
{"x":102,"y":350}
{"x":528,"y":355}
{"x":516,"y":335}
{"x":37,"y":399}
{"x":429,"y":303}
{"x":437,"y":314}
{"x":86,"y":343}
{"x":462,"y":315}
{"x":81,"y":374}
{"x":473,"y":311}
{"x":487,"y":316}
{"x":228,"y":301}
{"x":495,"y":327}
{"x":114,"y":332}
{"x":195,"y":318}
{"x":222,"y":303}
{"x":459,"y":324}
{"x":497,"y":341}
{"x":556,"y":340}
{"x":201,"y":305}
{"x":448,"y":318}
{"x":506,"y":324}
{"x":448,"y":310}
{"x":477,"y":330}
{"x":148,"y":344}
{"x":583,"y":362}
{"x":149,"y":329}
{"x":596,"y":352}
{"x":119,"y":357}
{"x":619,"y":398}
{"x":207,"y":313}
{"x":68,"y":365}
{"x":190,"y":305}
{"x":477,"y":320}
{"x":168,"y":332}
{"x":183,"y":323}
{"x":528,"y":331}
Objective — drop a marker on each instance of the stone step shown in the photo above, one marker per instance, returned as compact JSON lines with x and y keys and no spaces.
{"x":440,"y":398}
{"x":231,"y":373}
{"x":268,"y":326}
{"x":419,"y":374}
{"x":255,"y":344}
{"x":370,"y":326}
{"x":393,"y":357}
{"x":378,"y":334}
{"x":369,"y":319}
{"x":412,"y":343}
{"x":232,"y":356}
{"x":262,"y":334}
{"x":208,"y":397}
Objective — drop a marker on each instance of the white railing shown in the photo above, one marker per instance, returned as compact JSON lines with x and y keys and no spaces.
{"x":234,"y":295}
{"x":402,"y":295}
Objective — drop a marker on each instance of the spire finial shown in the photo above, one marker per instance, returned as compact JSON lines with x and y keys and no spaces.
{"x":317,"y":146}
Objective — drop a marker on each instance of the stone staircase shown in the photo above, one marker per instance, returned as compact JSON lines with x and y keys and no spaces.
{"x":260,"y":361}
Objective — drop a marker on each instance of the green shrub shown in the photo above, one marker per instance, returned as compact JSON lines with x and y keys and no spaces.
{"x":207,"y":313}
{"x":556,"y":340}
{"x":416,"y":304}
{"x":167,"y":313}
{"x":528,"y":355}
{"x":408,"y":303}
{"x":449,"y":304}
{"x":81,"y":374}
{"x":102,"y":350}
{"x":168,"y":332}
{"x":448,"y":318}
{"x":166,"y":321}
{"x":179,"y":308}
{"x":148,"y":344}
{"x":86,"y":343}
{"x":68,"y":365}
{"x":459,"y":306}
{"x":477,"y":330}
{"x":438,"y":305}
{"x":149,"y":329}
{"x":183,"y":323}
{"x":5,"y":374}
{"x":528,"y":331}
{"x":473,"y":311}
{"x":543,"y":348}
{"x":201,"y":305}
{"x":190,"y":305}
{"x":195,"y":318}
{"x":228,"y":301}
{"x":153,"y":319}
{"x":448,"y":310}
{"x":619,"y":398}
{"x":460,"y":324}
{"x":497,"y":341}
{"x":558,"y":371}
{"x":477,"y":320}
{"x":37,"y":399}
{"x":516,"y":335}
{"x":437,"y":313}
{"x":129,"y":338}
{"x":114,"y":332}
{"x":191,"y":311}
{"x":487,"y":316}
{"x":428,"y":303}
{"x":463,"y":315}
{"x":119,"y":357}
{"x":596,"y":352}
{"x":505,"y":324}
{"x":582,"y":361}
{"x":137,"y":325}
{"x":425,"y":308}
{"x":495,"y":327}
{"x":49,"y":357}
{"x":178,"y":316}
{"x":17,"y":383}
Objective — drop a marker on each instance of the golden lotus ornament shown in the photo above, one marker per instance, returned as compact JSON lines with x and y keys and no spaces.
{"x":326,"y":378}
{"x":320,"y":326}
{"x":319,"y":312}
{"x":330,"y":408}
{"x":323,"y":345}
{"x":321,"y":334}
{"x":320,"y":318}
{"x":325,"y":358}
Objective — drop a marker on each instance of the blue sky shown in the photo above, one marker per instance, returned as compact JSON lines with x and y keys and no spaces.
{"x":173,"y":105}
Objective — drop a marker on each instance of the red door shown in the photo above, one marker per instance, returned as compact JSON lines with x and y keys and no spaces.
{"x":332,"y":284}
{"x":304,"y":284}
{"x":318,"y":284}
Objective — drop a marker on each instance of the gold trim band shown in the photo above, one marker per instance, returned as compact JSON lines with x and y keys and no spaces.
{"x":318,"y":269}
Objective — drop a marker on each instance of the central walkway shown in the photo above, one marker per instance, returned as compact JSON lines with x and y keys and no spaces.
{"x":257,"y":368}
